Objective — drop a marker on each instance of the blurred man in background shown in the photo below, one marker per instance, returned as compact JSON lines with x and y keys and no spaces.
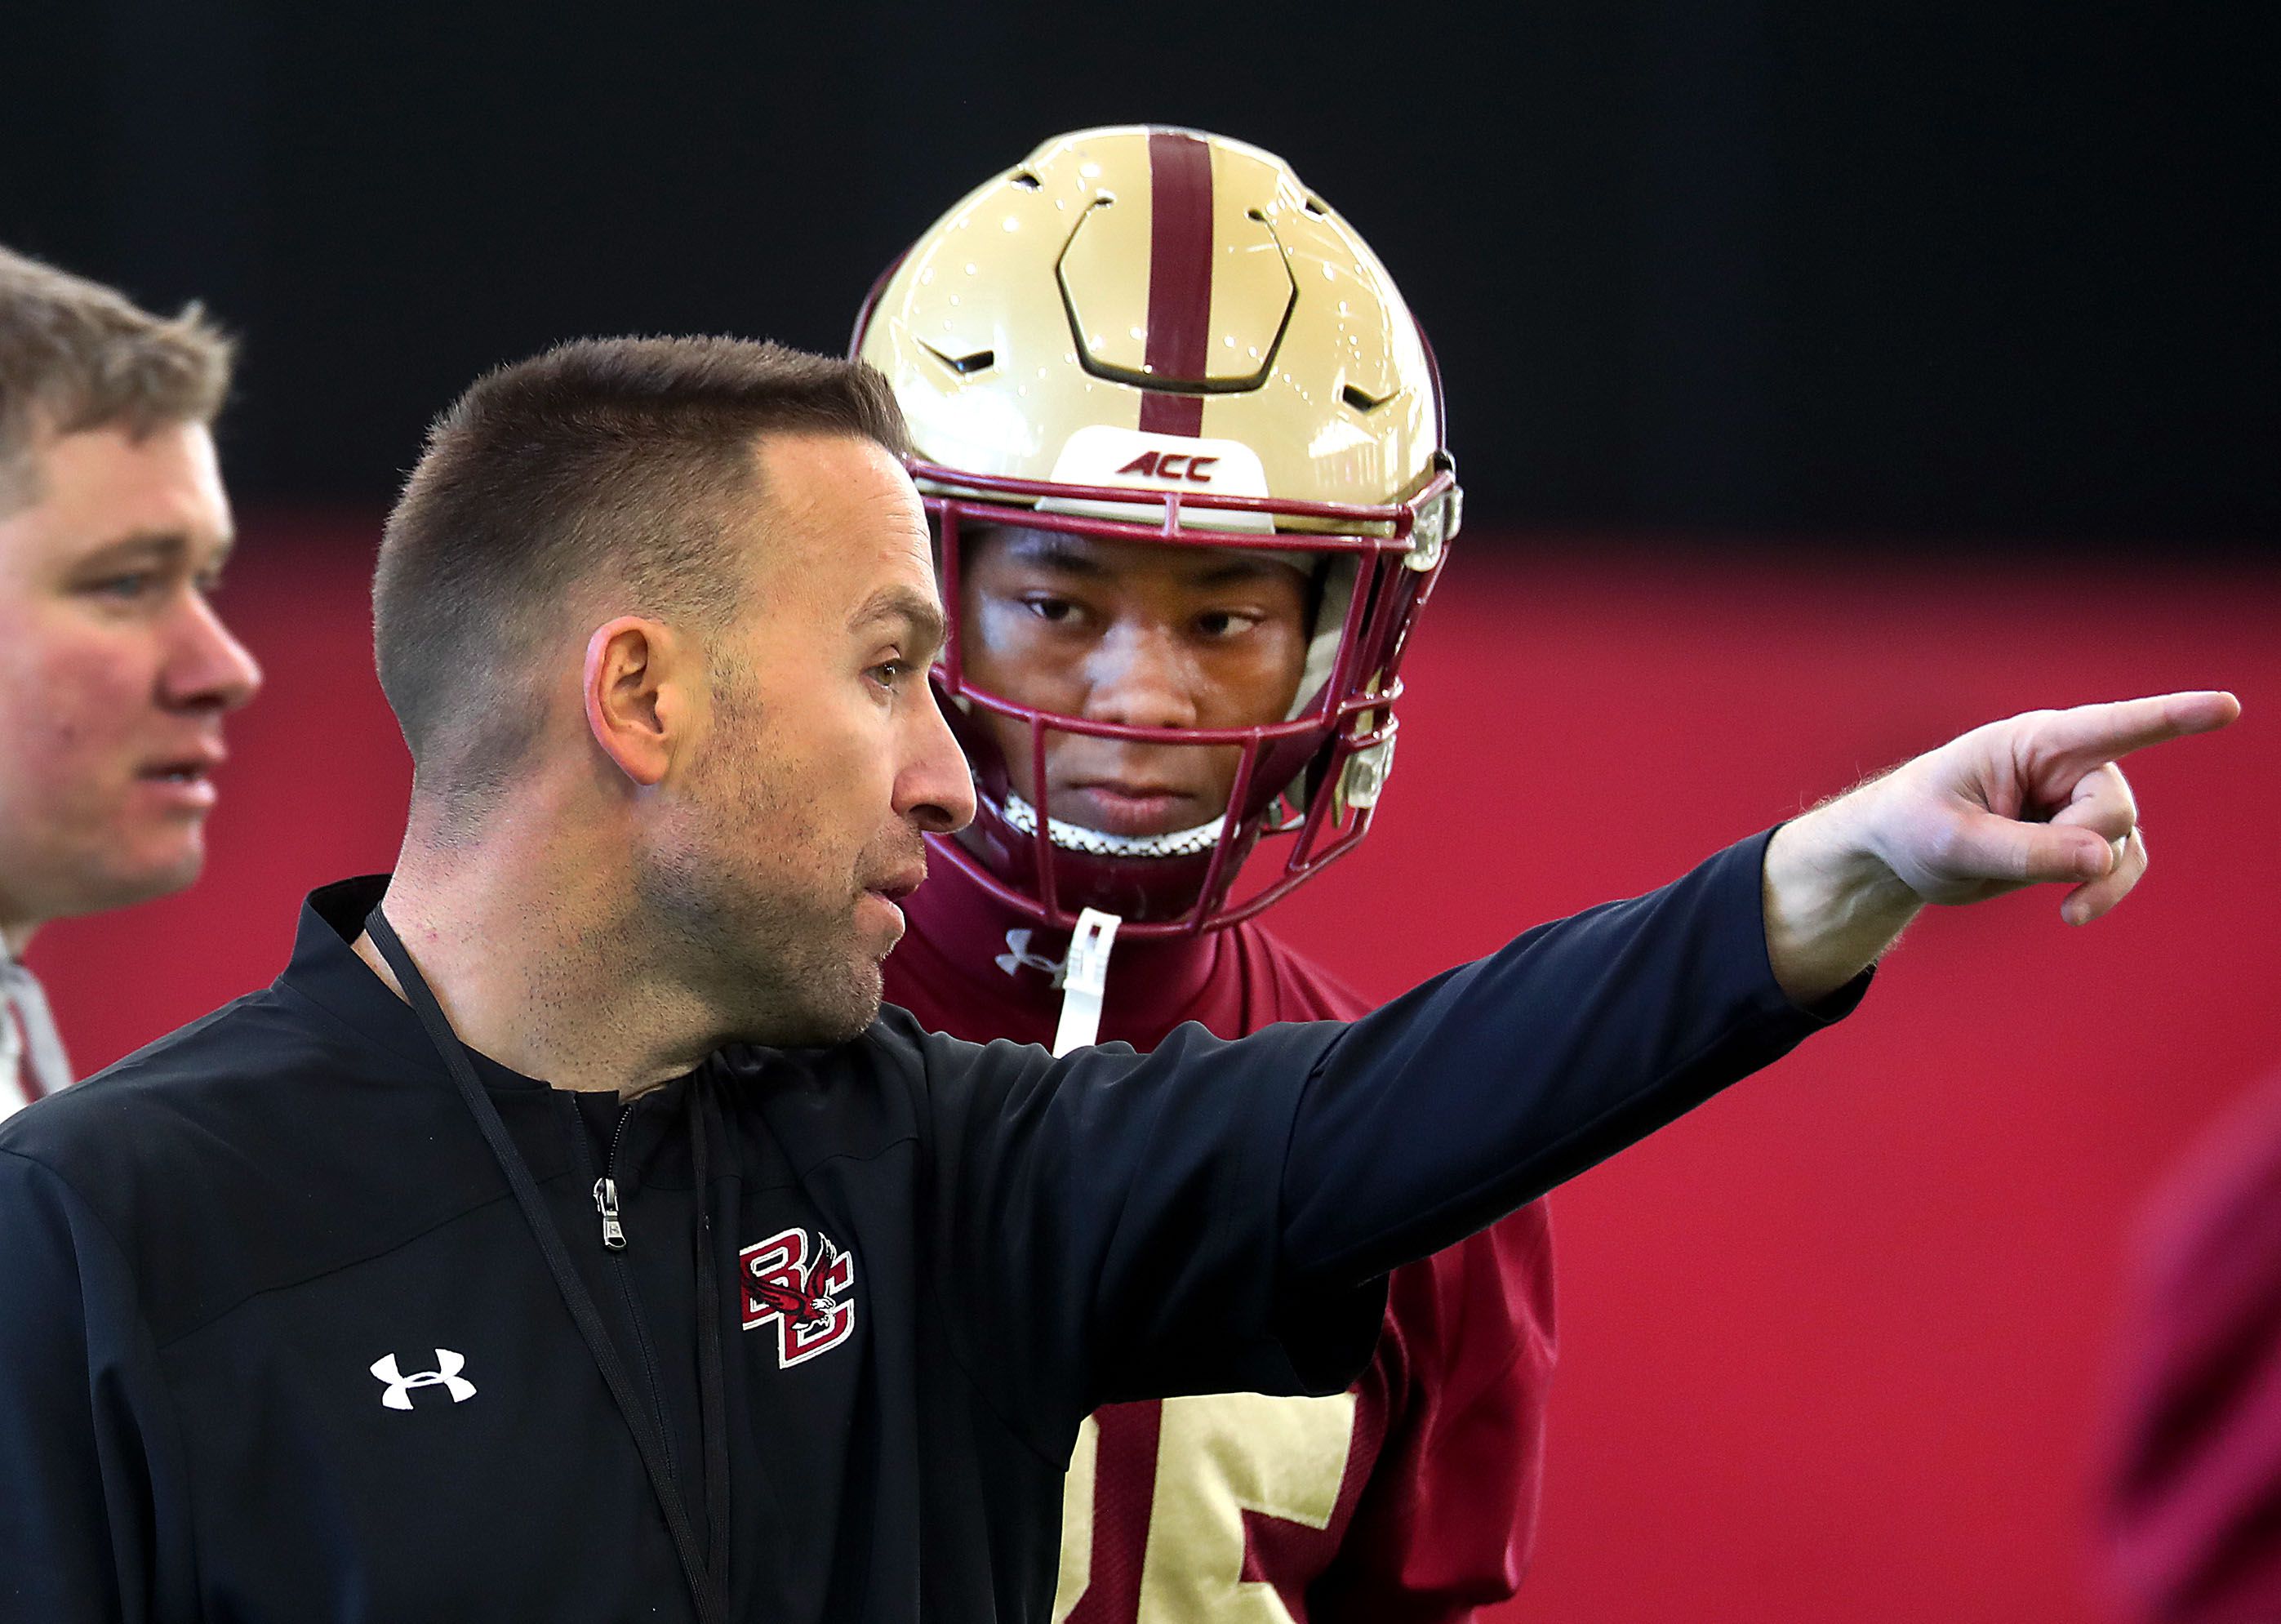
{"x":1184,"y":446}
{"x":2194,"y":1504}
{"x":115,"y":673}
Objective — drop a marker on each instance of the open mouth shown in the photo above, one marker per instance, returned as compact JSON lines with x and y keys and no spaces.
{"x":901,"y":886}
{"x":889,"y":895}
{"x":187,"y":779}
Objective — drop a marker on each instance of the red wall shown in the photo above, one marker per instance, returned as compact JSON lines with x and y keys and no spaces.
{"x":1833,"y":1347}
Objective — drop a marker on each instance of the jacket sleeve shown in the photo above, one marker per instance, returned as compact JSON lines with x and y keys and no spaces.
{"x":1218,"y":1216}
{"x":1436,"y":1115}
{"x":80,"y":1508}
{"x":1447,"y":1520}
{"x":1105,"y":1228}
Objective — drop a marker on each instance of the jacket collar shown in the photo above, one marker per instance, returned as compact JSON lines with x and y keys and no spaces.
{"x":325,"y":970}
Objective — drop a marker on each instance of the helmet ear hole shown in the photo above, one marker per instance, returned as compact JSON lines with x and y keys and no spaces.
{"x":967,"y":365}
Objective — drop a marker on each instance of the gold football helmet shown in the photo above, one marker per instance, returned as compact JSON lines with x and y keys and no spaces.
{"x":1162,"y":335}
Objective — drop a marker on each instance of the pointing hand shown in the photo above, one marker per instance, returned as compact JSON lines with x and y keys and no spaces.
{"x":2034,"y":800}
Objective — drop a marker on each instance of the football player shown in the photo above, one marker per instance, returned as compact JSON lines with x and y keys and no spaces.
{"x":1182,"y":442}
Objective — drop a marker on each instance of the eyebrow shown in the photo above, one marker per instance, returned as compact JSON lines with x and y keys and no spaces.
{"x":161,"y":546}
{"x":918,"y":613}
{"x":1049,"y":549}
{"x":1054,"y":551}
{"x":1241,"y":569}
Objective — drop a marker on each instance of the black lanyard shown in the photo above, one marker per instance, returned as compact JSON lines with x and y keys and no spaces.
{"x":711,"y":1608}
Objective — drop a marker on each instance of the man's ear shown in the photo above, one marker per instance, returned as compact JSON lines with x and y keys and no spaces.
{"x":637,"y":693}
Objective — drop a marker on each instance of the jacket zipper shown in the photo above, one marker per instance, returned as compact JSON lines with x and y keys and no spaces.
{"x":605,"y":1188}
{"x":614,"y":1240}
{"x":715,"y":1468}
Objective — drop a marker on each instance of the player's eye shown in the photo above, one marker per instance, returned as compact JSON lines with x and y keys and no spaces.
{"x":1052,"y":610}
{"x":890,"y":674}
{"x":1217,"y":623}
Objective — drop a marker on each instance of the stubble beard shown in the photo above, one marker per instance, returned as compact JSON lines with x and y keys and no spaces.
{"x":777,"y":966}
{"x":733,"y":894}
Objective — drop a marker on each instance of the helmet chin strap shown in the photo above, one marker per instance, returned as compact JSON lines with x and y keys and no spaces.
{"x":1084,"y":980}
{"x":1022,"y":817}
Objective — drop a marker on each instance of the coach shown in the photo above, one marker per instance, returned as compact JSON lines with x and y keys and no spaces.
{"x":578,"y":1240}
{"x":115,"y":672}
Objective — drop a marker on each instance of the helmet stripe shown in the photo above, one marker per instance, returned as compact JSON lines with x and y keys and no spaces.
{"x":1180,"y":278}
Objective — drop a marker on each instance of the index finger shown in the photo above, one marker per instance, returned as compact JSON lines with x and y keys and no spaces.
{"x":2092,"y":735}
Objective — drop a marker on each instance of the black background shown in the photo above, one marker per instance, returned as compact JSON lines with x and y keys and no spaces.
{"x":1894,"y":273}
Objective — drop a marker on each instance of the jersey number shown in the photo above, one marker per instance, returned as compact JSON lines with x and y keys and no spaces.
{"x":1197,"y":1466}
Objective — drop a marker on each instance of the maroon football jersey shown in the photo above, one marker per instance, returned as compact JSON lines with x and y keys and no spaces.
{"x":2195,"y":1512}
{"x":1410,"y":1497}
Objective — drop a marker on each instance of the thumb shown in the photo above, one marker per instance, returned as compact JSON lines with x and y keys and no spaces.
{"x":1989,"y":847}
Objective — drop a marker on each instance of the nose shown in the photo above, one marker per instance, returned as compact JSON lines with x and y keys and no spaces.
{"x":1139,"y":677}
{"x":207,"y":668}
{"x":934,"y":790}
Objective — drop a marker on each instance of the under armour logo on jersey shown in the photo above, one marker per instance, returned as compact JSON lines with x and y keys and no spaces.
{"x":807,"y":1289}
{"x":1018,"y":956}
{"x":446,"y":1375}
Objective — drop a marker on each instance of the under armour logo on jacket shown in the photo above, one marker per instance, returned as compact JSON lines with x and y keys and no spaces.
{"x":446,"y":1375}
{"x":1018,"y":956}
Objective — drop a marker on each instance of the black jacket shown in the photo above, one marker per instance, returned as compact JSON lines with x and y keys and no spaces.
{"x":277,"y":1345}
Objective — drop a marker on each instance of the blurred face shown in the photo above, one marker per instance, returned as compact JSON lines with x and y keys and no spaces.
{"x":115,"y":672}
{"x":1131,"y":633}
{"x":824,"y":758}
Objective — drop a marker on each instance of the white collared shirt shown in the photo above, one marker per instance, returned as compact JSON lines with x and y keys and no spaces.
{"x":32,"y":1059}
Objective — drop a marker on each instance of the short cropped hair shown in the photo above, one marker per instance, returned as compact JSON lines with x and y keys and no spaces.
{"x":75,"y":356}
{"x":621,"y":462}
